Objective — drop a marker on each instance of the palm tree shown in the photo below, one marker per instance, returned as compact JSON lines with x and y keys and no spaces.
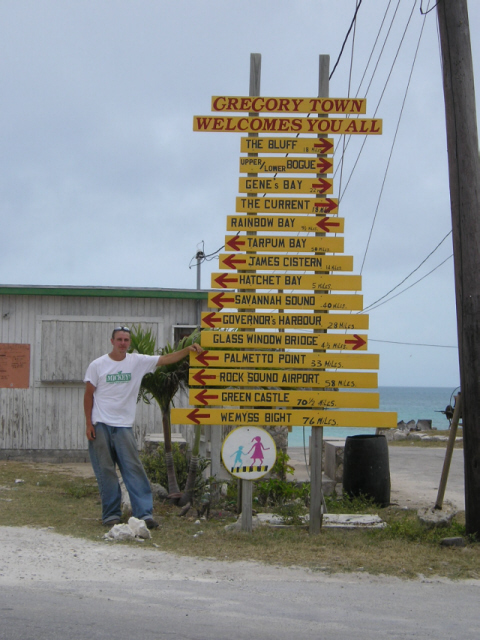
{"x":162,"y":385}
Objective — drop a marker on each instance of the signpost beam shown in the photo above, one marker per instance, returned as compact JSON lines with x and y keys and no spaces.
{"x":247,"y":485}
{"x":316,"y":441}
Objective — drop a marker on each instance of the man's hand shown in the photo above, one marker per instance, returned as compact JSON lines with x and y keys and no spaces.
{"x":90,"y":432}
{"x":196,"y":348}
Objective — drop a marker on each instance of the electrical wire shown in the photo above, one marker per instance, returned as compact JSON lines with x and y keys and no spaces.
{"x":346,"y":38}
{"x":348,"y":96}
{"x":347,"y":139}
{"x":380,"y":99}
{"x":200,"y":259}
{"x":410,"y":274}
{"x":417,"y":344}
{"x":412,"y":285}
{"x":424,"y":13}
{"x":374,"y":46}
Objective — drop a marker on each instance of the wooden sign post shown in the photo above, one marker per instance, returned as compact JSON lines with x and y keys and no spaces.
{"x":282,"y":346}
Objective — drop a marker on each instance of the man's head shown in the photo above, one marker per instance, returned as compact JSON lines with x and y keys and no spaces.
{"x":125,"y":329}
{"x":121,"y":342}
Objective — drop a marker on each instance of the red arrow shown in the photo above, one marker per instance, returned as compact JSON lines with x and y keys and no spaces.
{"x":195,"y":414}
{"x":202,"y":397}
{"x":322,"y":185}
{"x":231,"y":261}
{"x":223,"y":278}
{"x":236,"y":243}
{"x":323,"y":145}
{"x":220,"y":299}
{"x":327,"y":205}
{"x":202,"y":357}
{"x":200,"y":377}
{"x":211,"y":319}
{"x":358,"y":342}
{"x":326,"y":223}
{"x":324,"y":165}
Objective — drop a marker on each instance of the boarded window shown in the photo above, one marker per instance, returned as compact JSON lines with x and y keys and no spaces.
{"x":68,"y":346}
{"x":181,"y":331}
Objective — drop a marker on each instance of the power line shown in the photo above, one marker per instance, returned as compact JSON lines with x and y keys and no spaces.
{"x":346,"y":38}
{"x":201,"y":257}
{"x":375,"y":44}
{"x":424,"y":13}
{"x":345,"y":145}
{"x":417,"y":344}
{"x":410,"y":274}
{"x":380,"y":100}
{"x":394,"y":139}
{"x":412,"y":285}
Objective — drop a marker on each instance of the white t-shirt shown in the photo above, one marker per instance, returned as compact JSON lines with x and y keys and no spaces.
{"x":116,"y":387}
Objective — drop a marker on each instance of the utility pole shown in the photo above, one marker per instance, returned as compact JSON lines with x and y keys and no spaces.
{"x":464,"y":176}
{"x":199,"y":256}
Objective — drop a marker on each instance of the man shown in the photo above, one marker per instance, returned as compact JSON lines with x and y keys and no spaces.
{"x":112,"y":385}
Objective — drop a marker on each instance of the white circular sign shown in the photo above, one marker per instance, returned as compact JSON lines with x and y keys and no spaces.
{"x":249,"y":452}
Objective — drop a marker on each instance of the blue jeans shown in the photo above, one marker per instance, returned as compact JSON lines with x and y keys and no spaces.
{"x":117,"y":446}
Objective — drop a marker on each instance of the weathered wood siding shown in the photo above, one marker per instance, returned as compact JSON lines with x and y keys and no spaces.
{"x":66,"y":333}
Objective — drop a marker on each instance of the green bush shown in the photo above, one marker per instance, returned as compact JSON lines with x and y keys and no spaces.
{"x":156,"y":469}
{"x":293,"y":512}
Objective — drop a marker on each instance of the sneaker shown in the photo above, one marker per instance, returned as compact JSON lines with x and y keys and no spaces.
{"x":110,"y":523}
{"x":151,"y":523}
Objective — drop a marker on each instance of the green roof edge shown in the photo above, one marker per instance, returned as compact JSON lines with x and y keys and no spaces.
{"x":103,"y":292}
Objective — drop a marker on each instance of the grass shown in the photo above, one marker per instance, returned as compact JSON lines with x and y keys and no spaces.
{"x":48,"y":497}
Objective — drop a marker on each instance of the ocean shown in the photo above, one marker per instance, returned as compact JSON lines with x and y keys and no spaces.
{"x":410,"y":403}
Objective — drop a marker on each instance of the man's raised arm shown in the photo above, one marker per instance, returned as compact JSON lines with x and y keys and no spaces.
{"x":175,"y":356}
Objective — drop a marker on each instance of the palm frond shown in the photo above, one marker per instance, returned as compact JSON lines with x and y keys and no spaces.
{"x":163,"y":384}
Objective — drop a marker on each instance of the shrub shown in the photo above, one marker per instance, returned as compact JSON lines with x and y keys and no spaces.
{"x":156,"y":469}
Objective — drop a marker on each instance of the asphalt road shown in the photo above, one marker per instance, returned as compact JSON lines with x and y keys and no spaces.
{"x":283,"y":608}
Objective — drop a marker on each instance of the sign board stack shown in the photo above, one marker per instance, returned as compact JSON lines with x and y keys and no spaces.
{"x":284,"y":340}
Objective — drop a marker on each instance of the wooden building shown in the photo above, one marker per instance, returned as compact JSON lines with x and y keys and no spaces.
{"x":49,"y":335}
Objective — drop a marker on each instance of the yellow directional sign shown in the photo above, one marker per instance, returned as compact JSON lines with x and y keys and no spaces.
{"x":327,"y":302}
{"x":291,"y":164}
{"x":292,"y":206}
{"x":287,"y":145}
{"x":306,"y":244}
{"x":260,"y":104}
{"x":277,"y":340}
{"x":286,"y":185}
{"x":292,"y":378}
{"x":282,"y":398}
{"x":254,"y":281}
{"x":284,"y":360}
{"x":302,"y":224}
{"x":287,"y":262}
{"x":262,"y":320}
{"x":288,"y":418}
{"x":274,"y":124}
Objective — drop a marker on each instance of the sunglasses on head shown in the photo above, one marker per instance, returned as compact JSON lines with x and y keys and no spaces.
{"x":120,"y":329}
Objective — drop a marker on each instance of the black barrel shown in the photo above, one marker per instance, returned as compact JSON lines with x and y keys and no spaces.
{"x":366,"y":469}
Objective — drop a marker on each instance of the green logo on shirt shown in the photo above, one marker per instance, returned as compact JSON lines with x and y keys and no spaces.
{"x":119,"y":377}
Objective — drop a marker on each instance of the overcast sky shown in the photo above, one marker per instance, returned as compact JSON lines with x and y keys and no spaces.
{"x":104,"y":182}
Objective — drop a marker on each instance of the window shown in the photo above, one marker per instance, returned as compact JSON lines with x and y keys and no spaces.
{"x":181,"y":331}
